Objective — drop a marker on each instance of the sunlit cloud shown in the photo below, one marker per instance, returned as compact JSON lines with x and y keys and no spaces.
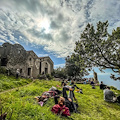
{"x":55,"y":25}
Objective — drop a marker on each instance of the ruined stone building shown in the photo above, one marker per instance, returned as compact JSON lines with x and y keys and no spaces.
{"x":14,"y":57}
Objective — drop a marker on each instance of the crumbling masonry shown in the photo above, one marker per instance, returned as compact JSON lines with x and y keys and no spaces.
{"x":14,"y":57}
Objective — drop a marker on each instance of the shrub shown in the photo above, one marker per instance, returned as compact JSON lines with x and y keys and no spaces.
{"x":3,"y":70}
{"x":6,"y":85}
{"x":41,"y":77}
{"x":49,"y":76}
{"x":112,"y":87}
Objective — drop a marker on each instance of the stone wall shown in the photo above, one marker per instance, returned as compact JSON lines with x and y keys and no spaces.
{"x":15,"y":57}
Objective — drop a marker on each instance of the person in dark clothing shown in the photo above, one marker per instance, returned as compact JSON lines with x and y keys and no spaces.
{"x":62,"y":83}
{"x":17,"y":73}
{"x":92,"y":84}
{"x":64,"y":91}
{"x":118,"y":99}
{"x":102,"y":86}
{"x":71,"y":92}
{"x":69,"y":100}
{"x":67,"y":88}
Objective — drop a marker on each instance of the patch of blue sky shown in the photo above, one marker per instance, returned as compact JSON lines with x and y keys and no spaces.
{"x":105,"y":77}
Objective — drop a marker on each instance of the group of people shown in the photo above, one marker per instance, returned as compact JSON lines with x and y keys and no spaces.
{"x":65,"y":105}
{"x":109,"y":95}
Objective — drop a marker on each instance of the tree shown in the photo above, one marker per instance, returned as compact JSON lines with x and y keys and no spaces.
{"x":98,"y":48}
{"x":74,"y":68}
{"x":59,"y":72}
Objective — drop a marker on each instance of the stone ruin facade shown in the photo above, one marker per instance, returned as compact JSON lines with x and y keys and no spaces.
{"x":13,"y":57}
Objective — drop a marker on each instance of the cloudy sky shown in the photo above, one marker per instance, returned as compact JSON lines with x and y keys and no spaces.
{"x":51,"y":27}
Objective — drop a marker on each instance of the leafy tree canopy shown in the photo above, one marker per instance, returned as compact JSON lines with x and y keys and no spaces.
{"x":75,"y":66}
{"x":59,"y":72}
{"x":97,"y":47}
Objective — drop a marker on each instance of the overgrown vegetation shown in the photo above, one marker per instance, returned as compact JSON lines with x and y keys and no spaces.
{"x":74,"y":67}
{"x":60,"y":72}
{"x":3,"y":70}
{"x":91,"y":103}
{"x":8,"y":82}
{"x":45,"y":76}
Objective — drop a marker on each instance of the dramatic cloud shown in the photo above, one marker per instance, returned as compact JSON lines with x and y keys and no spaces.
{"x":53,"y":24}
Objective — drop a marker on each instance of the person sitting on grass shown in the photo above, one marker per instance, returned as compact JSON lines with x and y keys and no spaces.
{"x":46,"y":95}
{"x":109,"y":95}
{"x":92,"y":84}
{"x":60,"y":109}
{"x":102,"y":86}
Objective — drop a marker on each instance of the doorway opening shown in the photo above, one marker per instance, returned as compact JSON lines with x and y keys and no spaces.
{"x":4,"y":62}
{"x":29,"y":71}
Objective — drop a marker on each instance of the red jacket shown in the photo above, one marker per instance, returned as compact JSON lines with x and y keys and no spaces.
{"x":62,"y":110}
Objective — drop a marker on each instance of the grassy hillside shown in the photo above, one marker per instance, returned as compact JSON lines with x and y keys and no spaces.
{"x":8,"y":82}
{"x":91,"y":103}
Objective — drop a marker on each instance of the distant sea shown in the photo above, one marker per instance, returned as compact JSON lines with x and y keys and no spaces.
{"x":107,"y":80}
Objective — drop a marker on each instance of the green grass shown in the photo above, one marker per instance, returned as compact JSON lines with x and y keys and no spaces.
{"x":9,"y":82}
{"x":91,"y":103}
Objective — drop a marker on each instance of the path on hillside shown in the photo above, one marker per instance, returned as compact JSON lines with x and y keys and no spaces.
{"x":17,"y":87}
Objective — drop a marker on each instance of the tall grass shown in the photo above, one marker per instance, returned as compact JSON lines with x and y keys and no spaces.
{"x":91,"y":103}
{"x":9,"y":82}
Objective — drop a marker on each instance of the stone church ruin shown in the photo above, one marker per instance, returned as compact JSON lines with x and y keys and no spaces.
{"x":13,"y":57}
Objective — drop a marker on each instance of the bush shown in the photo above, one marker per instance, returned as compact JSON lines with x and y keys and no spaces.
{"x":3,"y":70}
{"x":112,"y":87}
{"x":6,"y":85}
{"x":49,"y":76}
{"x":41,"y":77}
